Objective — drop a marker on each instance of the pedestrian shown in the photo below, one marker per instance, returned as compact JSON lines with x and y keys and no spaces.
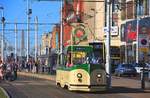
{"x":1,"y":70}
{"x":36,"y":67}
{"x":4,"y":70}
{"x":15,"y":68}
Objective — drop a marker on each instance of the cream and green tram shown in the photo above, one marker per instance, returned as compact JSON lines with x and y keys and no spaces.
{"x":82,"y":69}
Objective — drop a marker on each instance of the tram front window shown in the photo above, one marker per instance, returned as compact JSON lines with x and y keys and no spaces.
{"x":78,"y":58}
{"x":95,"y":58}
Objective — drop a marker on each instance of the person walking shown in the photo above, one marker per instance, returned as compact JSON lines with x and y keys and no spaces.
{"x":15,"y":68}
{"x":1,"y":70}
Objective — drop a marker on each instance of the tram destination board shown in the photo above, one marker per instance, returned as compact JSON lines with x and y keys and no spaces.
{"x":96,"y":45}
{"x":79,"y":48}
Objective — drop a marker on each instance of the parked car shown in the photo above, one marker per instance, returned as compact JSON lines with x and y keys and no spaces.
{"x":139,"y":67}
{"x":125,"y":69}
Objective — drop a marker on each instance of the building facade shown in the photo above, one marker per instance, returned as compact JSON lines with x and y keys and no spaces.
{"x":55,"y":39}
{"x":46,"y":42}
{"x":45,"y":48}
{"x":84,"y":22}
{"x":131,"y":11}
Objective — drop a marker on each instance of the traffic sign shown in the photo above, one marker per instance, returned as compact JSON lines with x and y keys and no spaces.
{"x":144,"y":49}
{"x":143,"y":40}
{"x":114,"y":30}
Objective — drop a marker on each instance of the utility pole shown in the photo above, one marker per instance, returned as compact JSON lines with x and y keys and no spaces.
{"x":137,"y":37}
{"x":108,"y":65}
{"x":22,"y":50}
{"x":29,"y":12}
{"x":61,"y":32}
{"x":16,"y":42}
{"x":2,"y":40}
{"x":36,"y":38}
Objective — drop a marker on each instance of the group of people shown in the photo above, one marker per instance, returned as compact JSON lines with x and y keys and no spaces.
{"x":8,"y":70}
{"x":31,"y":66}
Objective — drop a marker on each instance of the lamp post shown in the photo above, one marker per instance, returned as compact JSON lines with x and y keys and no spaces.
{"x":108,"y":65}
{"x":36,"y":38}
{"x":2,"y":39}
{"x":61,"y":32}
{"x":16,"y":45}
{"x":137,"y":38}
{"x":29,"y":12}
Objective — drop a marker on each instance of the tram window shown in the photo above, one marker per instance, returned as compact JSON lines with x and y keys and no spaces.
{"x":75,"y":58}
{"x":96,"y":58}
{"x":69,"y":58}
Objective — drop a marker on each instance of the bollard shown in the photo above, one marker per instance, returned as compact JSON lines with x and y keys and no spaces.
{"x":42,"y":69}
{"x":49,"y":70}
{"x":149,"y":75}
{"x":142,"y":80}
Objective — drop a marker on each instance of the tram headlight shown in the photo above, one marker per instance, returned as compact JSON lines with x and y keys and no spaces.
{"x":99,"y":75}
{"x":79,"y":75}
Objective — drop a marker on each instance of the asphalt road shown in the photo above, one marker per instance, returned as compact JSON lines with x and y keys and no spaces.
{"x":29,"y":87}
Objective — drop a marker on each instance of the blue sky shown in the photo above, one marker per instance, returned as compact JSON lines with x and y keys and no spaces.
{"x":15,"y":10}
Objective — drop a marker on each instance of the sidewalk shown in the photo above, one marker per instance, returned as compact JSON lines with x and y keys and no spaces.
{"x":41,"y":76}
{"x":130,"y":88}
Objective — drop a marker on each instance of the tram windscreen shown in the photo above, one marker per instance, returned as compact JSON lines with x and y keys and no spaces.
{"x":87,"y":58}
{"x":96,"y":57}
{"x":79,"y":57}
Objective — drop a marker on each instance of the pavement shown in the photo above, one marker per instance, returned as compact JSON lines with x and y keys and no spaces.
{"x":41,"y":76}
{"x":130,"y":87}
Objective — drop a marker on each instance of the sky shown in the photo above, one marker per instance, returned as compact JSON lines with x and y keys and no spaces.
{"x":15,"y":11}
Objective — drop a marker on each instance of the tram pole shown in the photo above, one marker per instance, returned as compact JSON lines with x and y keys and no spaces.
{"x":36,"y":38}
{"x":108,"y":67}
{"x":137,"y":38}
{"x":29,"y":12}
{"x":16,"y":42}
{"x":61,"y":32}
{"x":2,"y":39}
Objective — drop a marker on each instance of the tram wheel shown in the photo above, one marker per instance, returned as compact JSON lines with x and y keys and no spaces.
{"x":58,"y":84}
{"x":65,"y":87}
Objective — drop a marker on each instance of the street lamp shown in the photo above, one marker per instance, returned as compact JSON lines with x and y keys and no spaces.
{"x":108,"y":65}
{"x":36,"y":38}
{"x":61,"y":32}
{"x":137,"y":37}
{"x":2,"y":39}
{"x":29,"y":12}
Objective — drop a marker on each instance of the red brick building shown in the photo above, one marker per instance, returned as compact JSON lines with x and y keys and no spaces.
{"x":55,"y":39}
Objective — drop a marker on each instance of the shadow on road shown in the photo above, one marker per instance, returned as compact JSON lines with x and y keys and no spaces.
{"x":117,"y":90}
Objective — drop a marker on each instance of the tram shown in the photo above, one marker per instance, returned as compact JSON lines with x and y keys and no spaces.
{"x":82,"y":68}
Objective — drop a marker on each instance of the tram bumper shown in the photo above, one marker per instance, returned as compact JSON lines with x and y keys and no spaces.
{"x":87,"y":88}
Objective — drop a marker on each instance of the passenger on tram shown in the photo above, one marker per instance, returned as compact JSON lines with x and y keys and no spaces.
{"x":69,"y":63}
